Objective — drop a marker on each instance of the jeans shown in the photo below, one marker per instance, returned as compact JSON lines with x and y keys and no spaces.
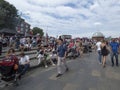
{"x":23,"y":68}
{"x":99,"y":56}
{"x":59,"y":64}
{"x":116,"y":57}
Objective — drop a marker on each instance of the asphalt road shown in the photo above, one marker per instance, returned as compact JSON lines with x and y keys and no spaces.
{"x":85,"y":74}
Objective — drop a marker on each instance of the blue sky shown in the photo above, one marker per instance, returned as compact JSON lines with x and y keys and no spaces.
{"x":80,"y":18}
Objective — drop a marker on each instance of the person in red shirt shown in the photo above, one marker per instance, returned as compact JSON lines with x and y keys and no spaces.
{"x":11,"y":57}
{"x":71,"y":45}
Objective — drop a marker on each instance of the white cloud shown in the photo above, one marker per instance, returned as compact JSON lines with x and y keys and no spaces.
{"x":97,"y":23}
{"x":51,"y":3}
{"x":76,"y":17}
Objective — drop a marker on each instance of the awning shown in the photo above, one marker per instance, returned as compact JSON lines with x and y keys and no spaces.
{"x":8,"y":31}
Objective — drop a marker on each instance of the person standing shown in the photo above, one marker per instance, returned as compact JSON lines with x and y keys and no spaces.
{"x":104,"y":52}
{"x":61,"y":52}
{"x":77,"y":44}
{"x":98,"y":47}
{"x":114,"y":51}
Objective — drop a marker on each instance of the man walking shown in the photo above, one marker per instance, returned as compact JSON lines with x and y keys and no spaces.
{"x":61,"y":51}
{"x":98,"y":47}
{"x":114,"y":51}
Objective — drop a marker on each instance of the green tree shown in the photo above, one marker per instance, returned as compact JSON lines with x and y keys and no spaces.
{"x":8,"y":13}
{"x":37,"y":30}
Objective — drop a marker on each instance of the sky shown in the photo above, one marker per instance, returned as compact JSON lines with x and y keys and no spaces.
{"x":79,"y":18}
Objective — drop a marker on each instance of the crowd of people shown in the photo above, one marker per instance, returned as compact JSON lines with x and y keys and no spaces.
{"x":55,"y":51}
{"x":105,"y":48}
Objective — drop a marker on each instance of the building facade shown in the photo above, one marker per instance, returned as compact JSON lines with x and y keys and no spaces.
{"x":22,"y":27}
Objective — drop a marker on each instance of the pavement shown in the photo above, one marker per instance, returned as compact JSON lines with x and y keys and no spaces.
{"x":84,"y":73}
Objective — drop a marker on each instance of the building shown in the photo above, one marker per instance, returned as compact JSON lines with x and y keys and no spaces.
{"x":98,"y":36}
{"x":22,"y":27}
{"x":26,"y":28}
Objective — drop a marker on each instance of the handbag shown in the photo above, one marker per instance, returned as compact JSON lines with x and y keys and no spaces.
{"x":15,"y":66}
{"x":108,"y":51}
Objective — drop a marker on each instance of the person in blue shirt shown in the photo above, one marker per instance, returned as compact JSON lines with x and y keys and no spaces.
{"x":114,"y":51}
{"x":61,"y":52}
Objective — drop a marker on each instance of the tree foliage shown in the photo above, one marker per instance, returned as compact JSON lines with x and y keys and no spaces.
{"x":8,"y":14}
{"x":37,"y":30}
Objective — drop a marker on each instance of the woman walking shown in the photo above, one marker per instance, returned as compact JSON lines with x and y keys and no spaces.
{"x":104,"y":52}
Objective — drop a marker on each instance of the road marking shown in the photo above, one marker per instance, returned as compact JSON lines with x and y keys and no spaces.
{"x":53,"y":77}
{"x":70,"y":87}
{"x":96,"y":73}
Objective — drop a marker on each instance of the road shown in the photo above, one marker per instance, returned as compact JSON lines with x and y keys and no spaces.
{"x":85,"y":74}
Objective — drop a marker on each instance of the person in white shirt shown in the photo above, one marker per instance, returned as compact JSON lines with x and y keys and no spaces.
{"x":24,"y":64}
{"x":28,"y":46}
{"x":98,"y":47}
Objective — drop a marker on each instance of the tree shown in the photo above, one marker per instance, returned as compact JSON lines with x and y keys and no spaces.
{"x":37,"y":30}
{"x":8,"y":13}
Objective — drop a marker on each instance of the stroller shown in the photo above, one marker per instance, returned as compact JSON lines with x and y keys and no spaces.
{"x":8,"y":71}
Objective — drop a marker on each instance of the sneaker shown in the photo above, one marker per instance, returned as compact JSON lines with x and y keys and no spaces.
{"x":53,"y":64}
{"x":117,"y":65}
{"x":66,"y":70}
{"x":46,"y":66}
{"x":104,"y":66}
{"x":59,"y":75}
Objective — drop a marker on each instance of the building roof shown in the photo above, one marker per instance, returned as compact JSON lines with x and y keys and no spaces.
{"x":98,"y":34}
